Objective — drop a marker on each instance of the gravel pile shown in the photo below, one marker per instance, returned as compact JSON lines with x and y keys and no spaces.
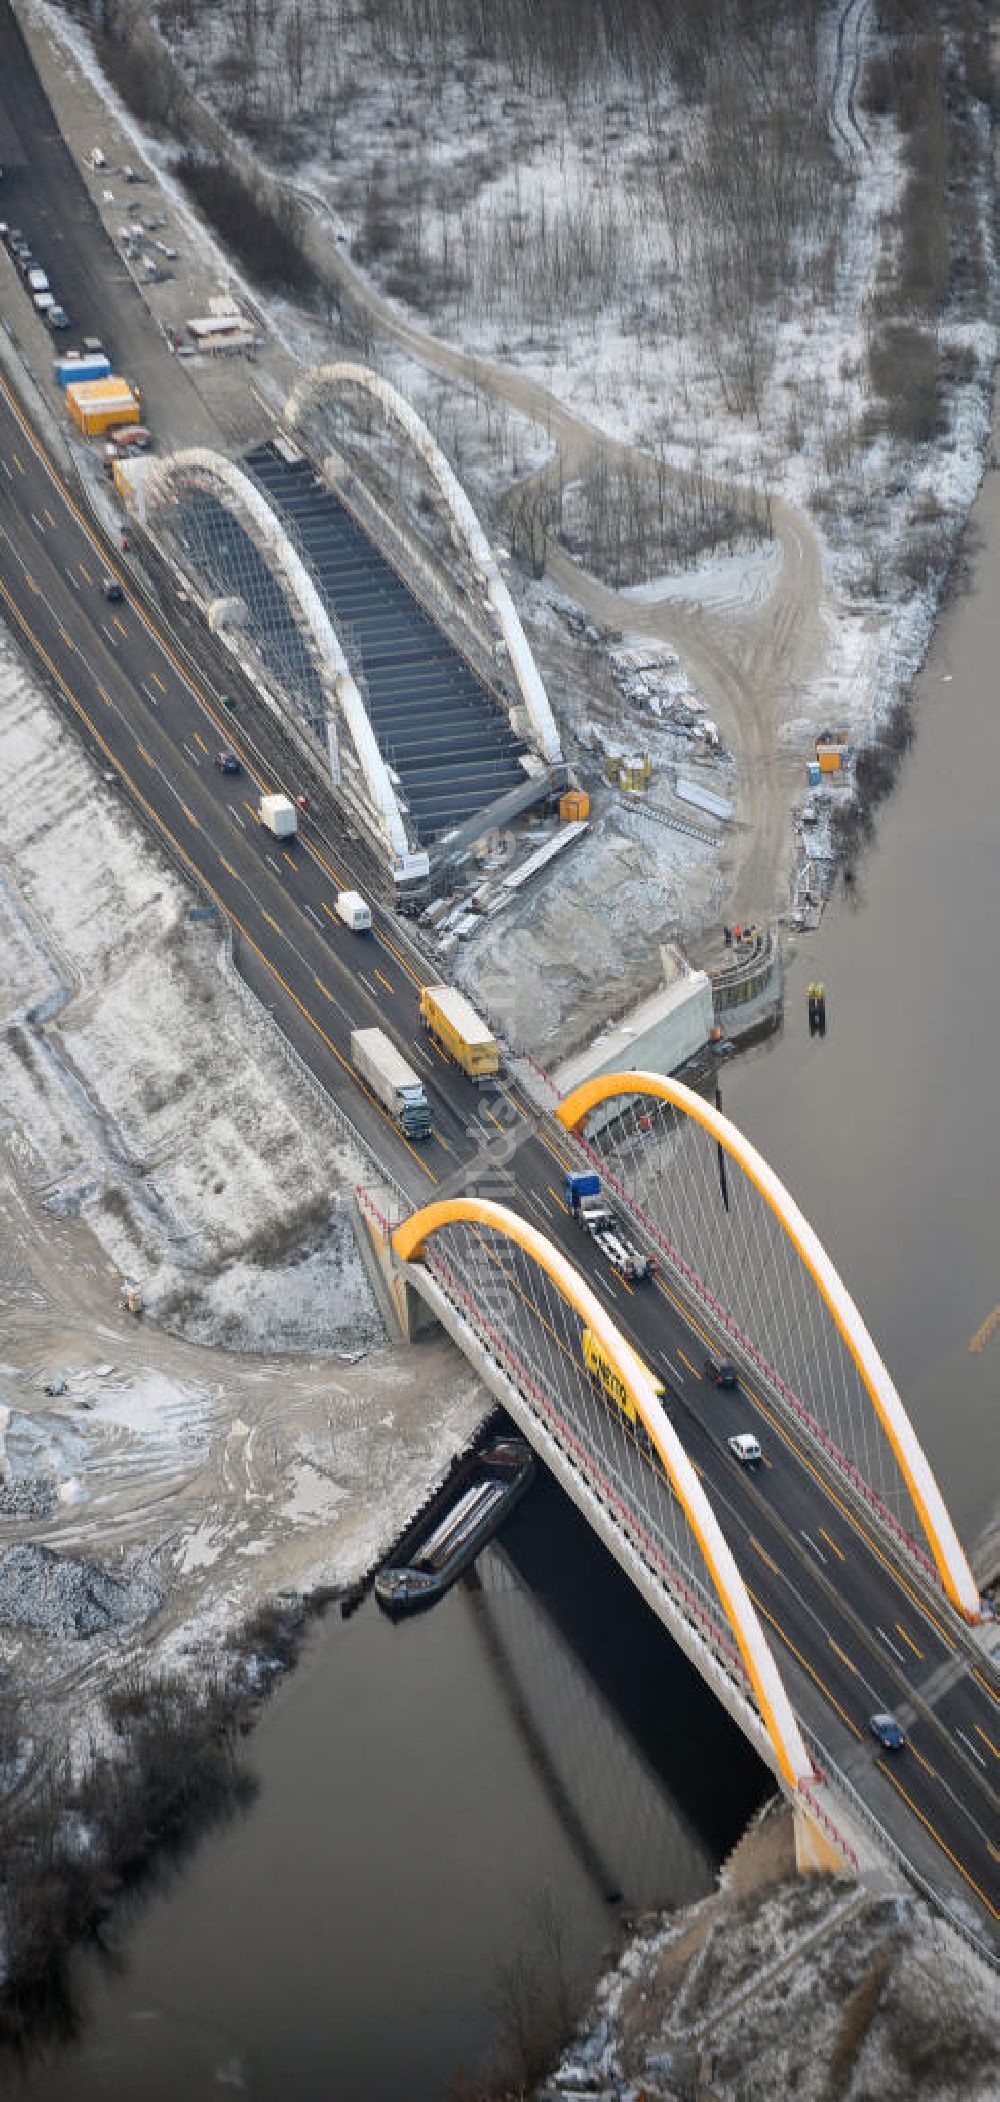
{"x":58,"y":1595}
{"x":29,"y":1496}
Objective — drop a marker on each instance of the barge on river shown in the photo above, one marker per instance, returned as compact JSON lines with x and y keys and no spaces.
{"x":461,"y":1518}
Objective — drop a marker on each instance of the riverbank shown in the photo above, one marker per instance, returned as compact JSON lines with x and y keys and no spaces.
{"x":777,"y":1985}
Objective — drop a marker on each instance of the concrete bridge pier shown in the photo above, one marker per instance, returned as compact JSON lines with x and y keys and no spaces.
{"x":406,"y":1314}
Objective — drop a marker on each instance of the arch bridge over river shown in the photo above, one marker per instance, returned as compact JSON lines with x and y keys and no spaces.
{"x":817,"y":1586}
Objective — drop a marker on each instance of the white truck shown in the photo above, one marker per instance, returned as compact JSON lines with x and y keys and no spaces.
{"x":277,"y":815}
{"x":353,"y":910}
{"x":585,"y":1201}
{"x":397,"y":1086}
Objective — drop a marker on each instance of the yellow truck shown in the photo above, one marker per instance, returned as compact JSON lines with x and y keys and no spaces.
{"x":454,"y":1024}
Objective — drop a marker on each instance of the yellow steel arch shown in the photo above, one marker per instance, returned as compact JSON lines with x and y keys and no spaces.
{"x":772,"y":1699}
{"x":928,"y":1502}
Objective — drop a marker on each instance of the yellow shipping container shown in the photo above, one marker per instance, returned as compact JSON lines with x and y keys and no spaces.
{"x":97,"y":404}
{"x":574,"y":806}
{"x":454,"y":1024}
{"x":830,"y":758}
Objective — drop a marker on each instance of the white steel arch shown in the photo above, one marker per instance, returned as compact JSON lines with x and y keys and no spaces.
{"x":916,"y":1470}
{"x":466,"y":529}
{"x":769,"y":1688}
{"x":199,"y":463}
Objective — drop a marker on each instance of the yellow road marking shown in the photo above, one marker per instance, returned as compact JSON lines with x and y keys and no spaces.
{"x":228,"y":866}
{"x":18,"y":464}
{"x":254,"y":812}
{"x":443,"y":1142}
{"x":925,"y":1821}
{"x":288,"y":857}
{"x":383,"y":981}
{"x":921,"y":1761}
{"x":189,"y":814}
{"x":855,"y":1523}
{"x":106,"y":697}
{"x":198,"y":738}
{"x":157,"y":681}
{"x":686,"y":1361}
{"x":404,"y":965}
{"x":119,"y":624}
{"x":982,"y":1336}
{"x":844,"y":1658}
{"x":821,"y":1529}
{"x":326,"y":863}
{"x":324,"y":989}
{"x":46,"y":513}
{"x":272,"y":923}
{"x":330,"y":915}
{"x":143,"y":754}
{"x":980,"y":1732}
{"x":554,"y":1150}
{"x":806,"y":1666}
{"x":985,"y":1684}
{"x":764,"y":1556}
{"x":31,"y":584}
{"x":900,"y":1630}
{"x":84,"y":572}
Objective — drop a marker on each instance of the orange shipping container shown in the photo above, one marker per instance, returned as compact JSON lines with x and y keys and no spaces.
{"x":830,"y":758}
{"x":574,"y":806}
{"x":97,"y":404}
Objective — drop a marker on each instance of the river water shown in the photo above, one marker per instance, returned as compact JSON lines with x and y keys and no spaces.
{"x":454,"y":1806}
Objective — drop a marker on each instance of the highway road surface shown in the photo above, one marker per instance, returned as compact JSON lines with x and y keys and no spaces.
{"x":852,"y":1632}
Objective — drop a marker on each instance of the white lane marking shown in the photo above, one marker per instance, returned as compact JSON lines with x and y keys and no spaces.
{"x":673,"y":1371}
{"x":71,"y":579}
{"x":968,"y":1741}
{"x":810,"y":1542}
{"x":148,"y":691}
{"x":188,"y":754}
{"x":887,"y":1639}
{"x":313,"y":914}
{"x":269,"y":858}
{"x":239,"y":817}
{"x":37,"y":521}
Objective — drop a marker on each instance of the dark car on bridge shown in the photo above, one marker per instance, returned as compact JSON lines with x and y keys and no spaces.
{"x":720,"y":1373}
{"x":112,"y":591}
{"x":227,"y":763}
{"x":887,"y":1730}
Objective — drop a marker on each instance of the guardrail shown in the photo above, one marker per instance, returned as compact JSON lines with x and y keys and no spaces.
{"x":940,"y":1903}
{"x":700,"y":1614}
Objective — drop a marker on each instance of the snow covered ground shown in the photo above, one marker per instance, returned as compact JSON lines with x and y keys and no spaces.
{"x":781,"y":1986}
{"x":152,"y":1129}
{"x":535,"y":265}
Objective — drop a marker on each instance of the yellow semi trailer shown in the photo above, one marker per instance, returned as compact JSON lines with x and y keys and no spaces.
{"x":454,"y":1024}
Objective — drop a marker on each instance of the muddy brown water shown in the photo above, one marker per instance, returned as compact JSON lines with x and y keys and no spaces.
{"x":469,"y":1802}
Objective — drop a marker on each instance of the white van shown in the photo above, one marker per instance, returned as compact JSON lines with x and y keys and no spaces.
{"x":746,"y":1449}
{"x":353,"y":910}
{"x":37,"y":280}
{"x":44,"y":302}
